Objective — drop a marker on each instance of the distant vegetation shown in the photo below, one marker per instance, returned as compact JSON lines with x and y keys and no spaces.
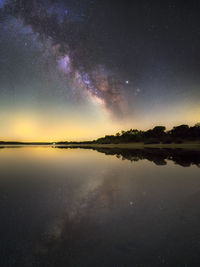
{"x":179,"y":134}
{"x":2,"y":143}
{"x":158,"y":134}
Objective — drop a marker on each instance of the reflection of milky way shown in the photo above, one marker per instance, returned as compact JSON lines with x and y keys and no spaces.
{"x":60,"y":25}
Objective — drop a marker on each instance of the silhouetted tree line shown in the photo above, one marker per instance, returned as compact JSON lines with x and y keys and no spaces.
{"x":158,"y":134}
{"x":2,"y":143}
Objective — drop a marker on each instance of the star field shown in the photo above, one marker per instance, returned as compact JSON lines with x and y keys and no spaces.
{"x":91,"y":63}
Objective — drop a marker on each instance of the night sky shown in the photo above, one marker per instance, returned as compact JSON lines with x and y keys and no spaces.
{"x":80,"y":69}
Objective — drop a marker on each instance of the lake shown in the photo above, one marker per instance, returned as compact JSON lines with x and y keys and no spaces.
{"x":104,"y":207}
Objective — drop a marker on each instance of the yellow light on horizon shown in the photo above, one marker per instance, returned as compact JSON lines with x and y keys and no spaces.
{"x":32,"y":127}
{"x":25,"y":127}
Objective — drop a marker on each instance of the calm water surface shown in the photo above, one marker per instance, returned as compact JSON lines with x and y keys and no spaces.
{"x":106,"y":208}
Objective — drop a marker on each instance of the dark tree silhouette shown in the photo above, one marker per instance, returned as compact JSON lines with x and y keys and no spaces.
{"x":158,"y":134}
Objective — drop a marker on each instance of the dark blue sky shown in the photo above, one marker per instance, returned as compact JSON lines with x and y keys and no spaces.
{"x":87,"y":68}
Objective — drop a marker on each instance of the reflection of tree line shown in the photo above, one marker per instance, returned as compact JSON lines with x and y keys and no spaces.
{"x":158,"y":156}
{"x":179,"y":156}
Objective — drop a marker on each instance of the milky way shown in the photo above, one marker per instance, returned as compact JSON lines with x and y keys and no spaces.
{"x":63,"y":28}
{"x":138,"y":61}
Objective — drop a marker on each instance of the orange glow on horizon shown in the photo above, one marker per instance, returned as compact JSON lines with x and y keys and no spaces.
{"x":37,"y":129}
{"x":52,"y":127}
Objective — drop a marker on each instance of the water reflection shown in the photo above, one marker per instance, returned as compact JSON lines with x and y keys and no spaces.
{"x":179,"y":156}
{"x":75,"y":207}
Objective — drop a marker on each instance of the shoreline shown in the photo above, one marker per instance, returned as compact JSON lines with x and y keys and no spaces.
{"x":193,"y":146}
{"x":190,"y":146}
